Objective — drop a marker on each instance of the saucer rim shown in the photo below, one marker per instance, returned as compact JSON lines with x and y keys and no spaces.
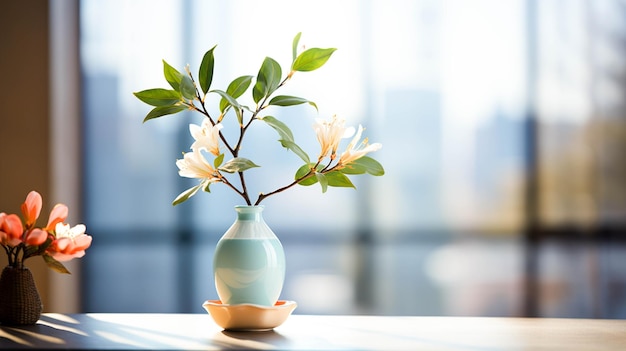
{"x":280,"y":313}
{"x":284,"y":304}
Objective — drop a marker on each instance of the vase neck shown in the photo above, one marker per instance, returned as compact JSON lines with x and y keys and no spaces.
{"x":249,"y":225}
{"x":249,"y":213}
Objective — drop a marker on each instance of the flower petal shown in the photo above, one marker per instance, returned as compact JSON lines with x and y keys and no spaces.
{"x":12,"y":226}
{"x":62,"y":257}
{"x":195,"y":165}
{"x":31,"y":208}
{"x":356,"y":149}
{"x":207,"y":137}
{"x":36,"y":237}
{"x":329,"y":134}
{"x":83,"y":242}
{"x":57,"y":215}
{"x":63,"y":245}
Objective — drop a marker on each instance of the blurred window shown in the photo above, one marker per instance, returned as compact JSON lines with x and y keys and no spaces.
{"x":444,"y":85}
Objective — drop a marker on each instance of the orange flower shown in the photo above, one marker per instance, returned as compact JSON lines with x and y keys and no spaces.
{"x":36,"y":237}
{"x":21,"y":238}
{"x":11,"y":229}
{"x":31,"y":208}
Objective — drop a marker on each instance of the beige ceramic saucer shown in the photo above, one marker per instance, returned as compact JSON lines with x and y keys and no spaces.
{"x":249,"y":316}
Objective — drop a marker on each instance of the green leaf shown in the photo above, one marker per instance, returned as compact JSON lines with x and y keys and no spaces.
{"x":311,"y":59}
{"x":158,"y":97}
{"x":232,"y":102}
{"x":363,"y":165}
{"x":160,"y":111}
{"x":303,"y":171}
{"x":258,"y":91}
{"x":353,"y":168}
{"x":290,"y":145}
{"x":218,"y":161}
{"x":187,"y":88}
{"x":206,"y":70}
{"x":272,"y":74}
{"x":338,"y":179}
{"x":267,"y":79}
{"x":185,"y":195}
{"x":54,"y":264}
{"x":30,"y":251}
{"x":172,"y":76}
{"x":237,"y":164}
{"x":235,"y":89}
{"x":239,"y":86}
{"x":321,"y":178}
{"x":282,"y":129}
{"x":206,"y":186}
{"x":285,"y":100}
{"x":294,"y":47}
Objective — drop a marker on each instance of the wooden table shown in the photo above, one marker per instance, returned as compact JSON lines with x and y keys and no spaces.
{"x":305,"y":332}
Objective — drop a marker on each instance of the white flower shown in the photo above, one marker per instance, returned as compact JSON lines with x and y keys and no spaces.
{"x":63,"y":230}
{"x":356,"y":149}
{"x":69,"y":242}
{"x":206,"y":136}
{"x":329,"y":134}
{"x":195,"y":165}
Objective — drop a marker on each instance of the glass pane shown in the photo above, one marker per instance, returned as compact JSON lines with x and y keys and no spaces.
{"x":444,"y":85}
{"x":438,"y":118}
{"x":128,"y":180}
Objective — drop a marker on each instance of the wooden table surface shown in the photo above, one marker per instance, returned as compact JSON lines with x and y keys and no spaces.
{"x":108,"y":331}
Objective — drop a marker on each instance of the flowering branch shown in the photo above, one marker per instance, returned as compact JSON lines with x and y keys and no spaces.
{"x":56,"y":242}
{"x":208,"y":137}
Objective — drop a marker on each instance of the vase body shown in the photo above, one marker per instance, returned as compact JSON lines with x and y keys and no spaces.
{"x":20,"y":303}
{"x":249,"y":261}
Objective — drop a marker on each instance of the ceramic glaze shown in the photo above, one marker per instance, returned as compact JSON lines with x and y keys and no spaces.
{"x":249,"y":261}
{"x":249,"y":270}
{"x":249,"y":317}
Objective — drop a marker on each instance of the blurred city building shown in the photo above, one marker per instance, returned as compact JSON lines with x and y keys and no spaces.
{"x":503,"y":126}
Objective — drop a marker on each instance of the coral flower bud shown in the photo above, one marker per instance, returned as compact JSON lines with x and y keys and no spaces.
{"x":11,"y":229}
{"x":31,"y":208}
{"x":36,"y":237}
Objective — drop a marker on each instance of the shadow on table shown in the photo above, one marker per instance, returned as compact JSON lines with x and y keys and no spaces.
{"x":66,"y":332}
{"x":269,"y":339}
{"x":18,"y":337}
{"x":85,"y":332}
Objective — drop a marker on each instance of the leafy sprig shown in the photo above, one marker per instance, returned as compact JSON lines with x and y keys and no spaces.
{"x":188,"y":94}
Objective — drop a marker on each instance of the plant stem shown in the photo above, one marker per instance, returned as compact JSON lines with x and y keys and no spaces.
{"x":13,"y":254}
{"x":235,"y":152}
{"x":20,"y":261}
{"x":205,"y":112}
{"x":213,"y":123}
{"x":245,"y":195}
{"x":279,"y":190}
{"x":309,"y":174}
{"x":9,"y":252}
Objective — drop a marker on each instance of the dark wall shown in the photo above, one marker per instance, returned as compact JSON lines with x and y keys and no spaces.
{"x":24,"y":112}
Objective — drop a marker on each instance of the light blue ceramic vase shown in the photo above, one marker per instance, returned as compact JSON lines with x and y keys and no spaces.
{"x":249,"y":261}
